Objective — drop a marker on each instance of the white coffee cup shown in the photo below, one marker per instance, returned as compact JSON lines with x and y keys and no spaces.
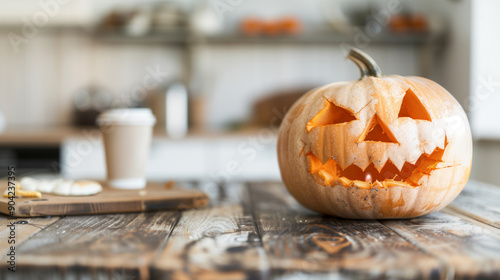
{"x":127,"y":137}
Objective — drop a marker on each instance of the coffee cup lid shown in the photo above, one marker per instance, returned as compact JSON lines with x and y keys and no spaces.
{"x":133,"y":116}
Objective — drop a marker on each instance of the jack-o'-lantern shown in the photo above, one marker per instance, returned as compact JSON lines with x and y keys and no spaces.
{"x":378,"y":148}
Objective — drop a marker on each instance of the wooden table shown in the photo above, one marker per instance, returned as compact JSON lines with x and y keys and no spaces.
{"x":258,"y":231}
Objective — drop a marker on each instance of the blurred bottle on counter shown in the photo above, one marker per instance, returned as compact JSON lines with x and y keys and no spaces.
{"x":170,"y":105}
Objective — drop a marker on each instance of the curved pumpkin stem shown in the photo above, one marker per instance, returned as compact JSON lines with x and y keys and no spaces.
{"x":366,"y":64}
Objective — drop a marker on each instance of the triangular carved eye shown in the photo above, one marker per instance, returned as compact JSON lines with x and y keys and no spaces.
{"x":413,"y":108}
{"x":331,"y":114}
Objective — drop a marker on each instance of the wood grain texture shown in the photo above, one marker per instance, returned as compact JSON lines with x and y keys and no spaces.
{"x":219,"y":242}
{"x":469,"y":251}
{"x":24,"y":229}
{"x":86,"y":246}
{"x":479,"y":201}
{"x":300,"y":242}
{"x":154,"y":197}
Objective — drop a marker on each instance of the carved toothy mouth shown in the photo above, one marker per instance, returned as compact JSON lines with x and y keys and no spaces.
{"x":389,"y":175}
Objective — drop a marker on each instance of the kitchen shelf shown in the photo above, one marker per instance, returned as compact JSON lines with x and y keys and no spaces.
{"x":171,"y":37}
{"x":181,"y":36}
{"x":185,"y":38}
{"x":17,"y":29}
{"x":318,"y":38}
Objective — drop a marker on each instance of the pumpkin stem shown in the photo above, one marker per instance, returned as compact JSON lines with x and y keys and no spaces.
{"x":366,"y":64}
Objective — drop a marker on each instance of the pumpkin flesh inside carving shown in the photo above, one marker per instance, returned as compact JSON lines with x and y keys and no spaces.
{"x":409,"y":175}
{"x":377,"y":131}
{"x":413,"y":108}
{"x":331,"y":114}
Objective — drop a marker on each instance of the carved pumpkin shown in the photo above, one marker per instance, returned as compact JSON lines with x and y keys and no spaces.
{"x":381,"y":147}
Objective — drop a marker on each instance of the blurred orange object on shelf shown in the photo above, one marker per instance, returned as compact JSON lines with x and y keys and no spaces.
{"x":251,"y":26}
{"x":272,"y":27}
{"x":287,"y":25}
{"x":399,"y":24}
{"x":408,"y":23}
{"x":291,"y":25}
{"x":418,"y":23}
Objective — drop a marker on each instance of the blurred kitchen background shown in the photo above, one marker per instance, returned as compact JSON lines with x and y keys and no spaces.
{"x":219,"y":74}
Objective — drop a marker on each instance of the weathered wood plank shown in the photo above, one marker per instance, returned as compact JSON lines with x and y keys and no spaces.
{"x":301,"y":243}
{"x":219,"y":242}
{"x":24,"y":229}
{"x":96,"y":246}
{"x":479,"y":201}
{"x":469,"y":250}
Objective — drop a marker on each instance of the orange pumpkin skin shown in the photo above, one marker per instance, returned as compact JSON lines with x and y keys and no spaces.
{"x":378,"y":148}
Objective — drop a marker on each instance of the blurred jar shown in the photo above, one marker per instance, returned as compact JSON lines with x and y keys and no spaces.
{"x":88,"y":104}
{"x":203,"y":21}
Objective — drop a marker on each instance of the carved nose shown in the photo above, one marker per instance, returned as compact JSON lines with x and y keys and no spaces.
{"x":377,"y":131}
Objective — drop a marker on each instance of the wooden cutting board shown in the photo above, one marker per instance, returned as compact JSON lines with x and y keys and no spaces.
{"x":155,"y":196}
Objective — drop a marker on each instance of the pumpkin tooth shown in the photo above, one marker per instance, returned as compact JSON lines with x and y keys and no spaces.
{"x":380,"y":163}
{"x":399,"y":164}
{"x":430,"y":146}
{"x":361,"y":163}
